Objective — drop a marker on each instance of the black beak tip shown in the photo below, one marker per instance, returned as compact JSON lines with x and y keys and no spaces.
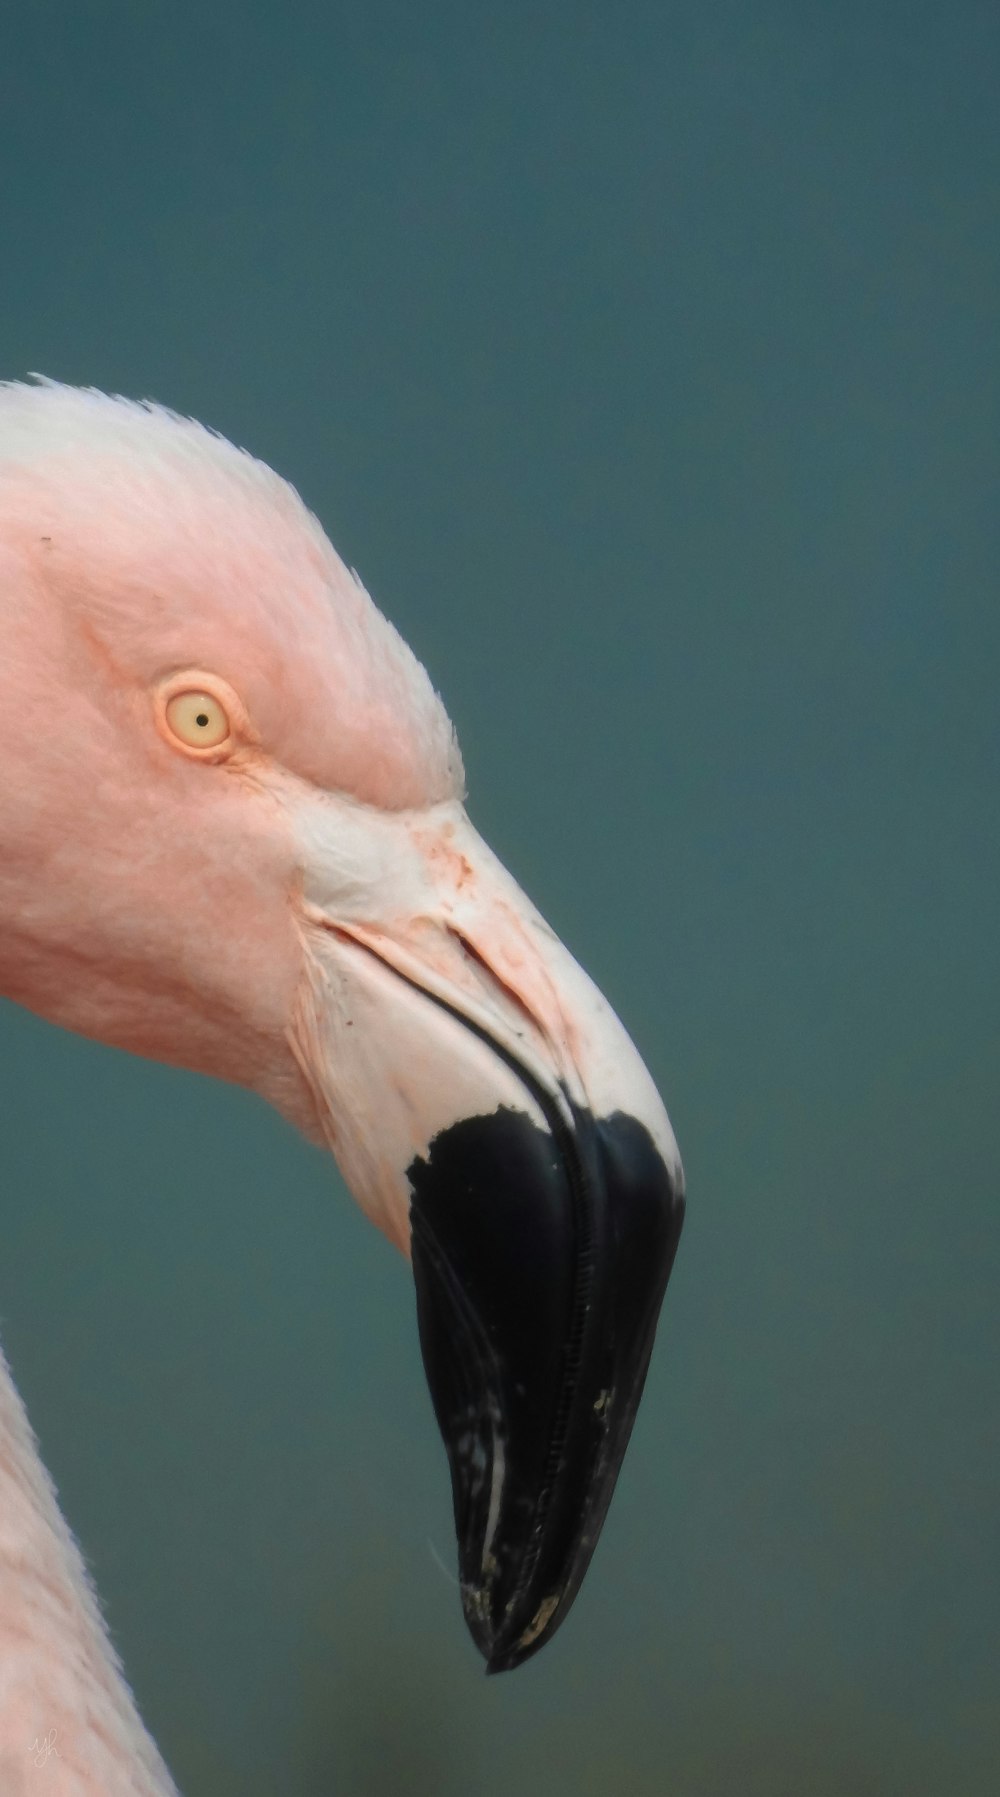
{"x":540,"y":1258}
{"x":505,"y":1649}
{"x":503,"y":1662}
{"x":507,"y":1656}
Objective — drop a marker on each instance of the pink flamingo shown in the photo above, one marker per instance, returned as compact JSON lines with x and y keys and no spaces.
{"x":232,"y":838}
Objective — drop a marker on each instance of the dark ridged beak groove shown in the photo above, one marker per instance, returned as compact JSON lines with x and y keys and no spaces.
{"x":541,"y":1256}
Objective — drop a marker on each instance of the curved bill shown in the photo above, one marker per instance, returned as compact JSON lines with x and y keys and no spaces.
{"x":483,"y":1100}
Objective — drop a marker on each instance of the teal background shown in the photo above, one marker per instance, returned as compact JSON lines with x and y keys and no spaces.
{"x":644,"y":360}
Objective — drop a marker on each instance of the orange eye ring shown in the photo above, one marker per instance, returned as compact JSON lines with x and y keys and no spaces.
{"x":200,"y":715}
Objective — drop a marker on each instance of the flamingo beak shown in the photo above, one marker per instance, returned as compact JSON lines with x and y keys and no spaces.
{"x":491,"y":1114}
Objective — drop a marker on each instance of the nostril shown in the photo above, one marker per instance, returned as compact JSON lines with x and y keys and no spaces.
{"x":495,"y":986}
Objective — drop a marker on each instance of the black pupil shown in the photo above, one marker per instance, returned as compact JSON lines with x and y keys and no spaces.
{"x":201,"y":719}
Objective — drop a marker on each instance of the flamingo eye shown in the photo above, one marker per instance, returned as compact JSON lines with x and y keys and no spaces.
{"x":197,"y":719}
{"x":199,"y":713}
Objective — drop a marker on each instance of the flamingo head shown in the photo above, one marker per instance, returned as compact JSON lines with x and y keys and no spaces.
{"x":232,"y":837}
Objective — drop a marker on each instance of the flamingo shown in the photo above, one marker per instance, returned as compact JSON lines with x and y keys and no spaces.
{"x":232,"y":837}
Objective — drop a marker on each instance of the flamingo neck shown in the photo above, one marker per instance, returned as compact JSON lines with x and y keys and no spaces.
{"x":68,"y":1721}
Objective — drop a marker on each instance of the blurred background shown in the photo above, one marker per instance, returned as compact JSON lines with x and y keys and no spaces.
{"x":643,"y":358}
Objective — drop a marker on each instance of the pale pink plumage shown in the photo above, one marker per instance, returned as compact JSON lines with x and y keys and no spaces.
{"x":133,"y":541}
